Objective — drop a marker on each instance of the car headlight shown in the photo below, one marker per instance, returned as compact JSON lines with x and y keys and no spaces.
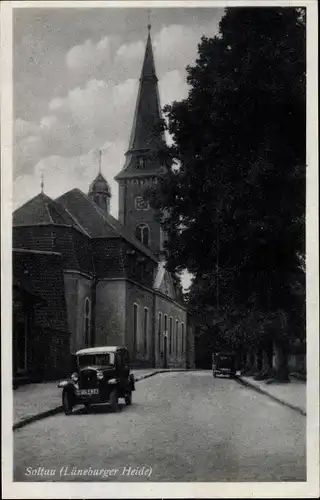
{"x":112,"y":381}
{"x":75,"y":377}
{"x":99,"y":375}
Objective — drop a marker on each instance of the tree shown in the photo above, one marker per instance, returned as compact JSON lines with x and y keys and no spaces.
{"x":236,"y":197}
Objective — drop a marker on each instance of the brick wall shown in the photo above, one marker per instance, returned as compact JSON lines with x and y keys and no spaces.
{"x":108,"y":258}
{"x":110,"y":312}
{"x":133,"y":217}
{"x":176,"y":355}
{"x":143,"y":356}
{"x":77,"y":289}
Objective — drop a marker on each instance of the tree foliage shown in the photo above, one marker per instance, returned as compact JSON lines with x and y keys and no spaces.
{"x":235,"y":201}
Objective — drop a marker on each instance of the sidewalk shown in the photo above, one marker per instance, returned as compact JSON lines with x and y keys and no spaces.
{"x":292,"y":395}
{"x":35,"y":401}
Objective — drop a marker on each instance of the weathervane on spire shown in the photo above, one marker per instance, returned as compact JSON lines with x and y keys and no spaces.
{"x":149,"y":20}
{"x":100,"y":155}
{"x":42,"y":182}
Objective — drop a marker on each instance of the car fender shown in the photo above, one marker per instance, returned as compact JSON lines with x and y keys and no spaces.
{"x":67,"y":385}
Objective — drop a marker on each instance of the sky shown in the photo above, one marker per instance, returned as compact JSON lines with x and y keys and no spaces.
{"x":75,"y":80}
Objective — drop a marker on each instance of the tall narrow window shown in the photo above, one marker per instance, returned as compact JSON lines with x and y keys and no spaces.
{"x":143,"y":234}
{"x":182,"y":339}
{"x":177,"y":337}
{"x":141,"y":162}
{"x":145,"y":331}
{"x":170,"y":335}
{"x":87,"y":322}
{"x":135,"y":327}
{"x":159,"y":331}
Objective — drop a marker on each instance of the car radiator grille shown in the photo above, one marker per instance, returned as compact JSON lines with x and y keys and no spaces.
{"x":88,"y":379}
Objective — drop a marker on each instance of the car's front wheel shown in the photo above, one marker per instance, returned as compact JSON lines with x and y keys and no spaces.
{"x":114,"y":401}
{"x":67,"y":402}
{"x":87,"y":407}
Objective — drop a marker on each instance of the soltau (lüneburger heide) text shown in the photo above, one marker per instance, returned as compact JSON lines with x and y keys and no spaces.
{"x":66,"y":471}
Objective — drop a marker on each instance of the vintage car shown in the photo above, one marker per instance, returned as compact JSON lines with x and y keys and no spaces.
{"x":102,"y":376}
{"x":224,"y":363}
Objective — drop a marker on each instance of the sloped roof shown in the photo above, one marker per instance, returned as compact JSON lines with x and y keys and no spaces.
{"x":97,"y":222}
{"x":43,"y":210}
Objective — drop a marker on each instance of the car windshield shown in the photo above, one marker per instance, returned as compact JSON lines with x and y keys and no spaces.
{"x":95,"y":359}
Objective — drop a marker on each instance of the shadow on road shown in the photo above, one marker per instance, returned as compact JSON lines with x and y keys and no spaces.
{"x":97,"y":409}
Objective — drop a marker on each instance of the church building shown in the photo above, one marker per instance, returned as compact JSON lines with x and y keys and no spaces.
{"x":83,"y":278}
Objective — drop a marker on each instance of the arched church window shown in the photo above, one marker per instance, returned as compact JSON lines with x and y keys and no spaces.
{"x":87,"y":321}
{"x":135,"y":327}
{"x":159,"y":331}
{"x":145,"y":331}
{"x":143,"y":234}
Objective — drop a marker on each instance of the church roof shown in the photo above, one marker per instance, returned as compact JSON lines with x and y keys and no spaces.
{"x":42,"y":210}
{"x":96,"y":221}
{"x":146,"y":133}
{"x":100,"y":185}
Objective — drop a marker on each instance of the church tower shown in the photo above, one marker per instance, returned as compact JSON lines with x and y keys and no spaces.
{"x":142,"y":166}
{"x":99,"y":190}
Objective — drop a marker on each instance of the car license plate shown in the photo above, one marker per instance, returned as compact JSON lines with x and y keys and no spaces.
{"x":87,"y":392}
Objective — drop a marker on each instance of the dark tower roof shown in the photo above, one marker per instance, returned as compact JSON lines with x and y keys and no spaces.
{"x":100,"y":185}
{"x":146,"y":133}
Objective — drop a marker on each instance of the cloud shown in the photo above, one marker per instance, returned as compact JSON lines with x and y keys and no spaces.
{"x":176,"y":45}
{"x":83,"y":120}
{"x":92,"y":59}
{"x":98,"y":109}
{"x":172,"y":87}
{"x":64,"y":173}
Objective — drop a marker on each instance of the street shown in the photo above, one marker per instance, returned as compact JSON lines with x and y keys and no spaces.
{"x":183,"y":426}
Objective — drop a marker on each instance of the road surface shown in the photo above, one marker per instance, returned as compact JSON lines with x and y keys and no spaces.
{"x":183,"y":426}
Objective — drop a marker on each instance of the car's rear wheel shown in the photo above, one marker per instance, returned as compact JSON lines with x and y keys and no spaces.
{"x":67,"y":402}
{"x":128,"y":398}
{"x":114,"y":401}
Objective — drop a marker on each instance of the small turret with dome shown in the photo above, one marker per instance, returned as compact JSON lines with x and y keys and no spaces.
{"x":100,"y":191}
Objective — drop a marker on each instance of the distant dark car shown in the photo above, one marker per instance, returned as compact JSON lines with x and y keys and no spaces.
{"x":102,"y":376}
{"x":224,"y":363}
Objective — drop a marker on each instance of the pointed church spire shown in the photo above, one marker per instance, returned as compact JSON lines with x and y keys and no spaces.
{"x":146,"y":134}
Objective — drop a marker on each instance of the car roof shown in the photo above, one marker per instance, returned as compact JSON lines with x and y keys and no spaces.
{"x":99,"y":350}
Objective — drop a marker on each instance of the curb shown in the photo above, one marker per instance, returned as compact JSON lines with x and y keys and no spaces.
{"x":271,"y":396}
{"x":37,"y":416}
{"x":59,"y":409}
{"x":168,"y":370}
